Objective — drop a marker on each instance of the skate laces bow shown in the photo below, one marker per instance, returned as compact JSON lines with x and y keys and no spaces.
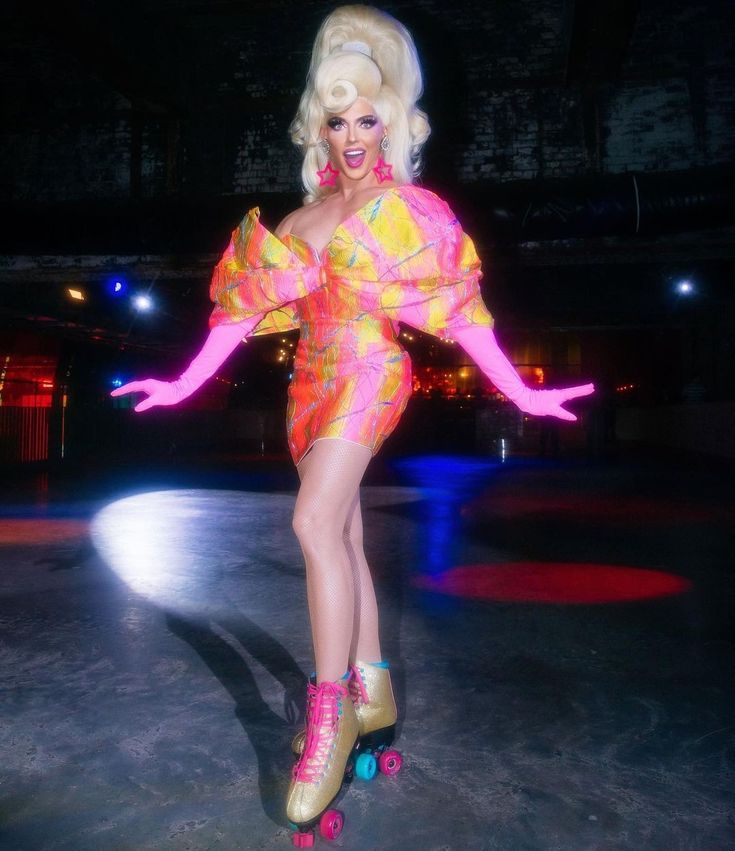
{"x":357,"y":685}
{"x":322,"y":714}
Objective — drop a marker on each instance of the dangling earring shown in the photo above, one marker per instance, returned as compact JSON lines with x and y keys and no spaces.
{"x":327,"y":175}
{"x":383,"y":170}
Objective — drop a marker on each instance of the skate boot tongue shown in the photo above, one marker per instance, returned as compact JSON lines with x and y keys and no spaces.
{"x":323,"y":711}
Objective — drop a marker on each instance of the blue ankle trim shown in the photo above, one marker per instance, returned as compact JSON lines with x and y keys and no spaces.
{"x":344,"y":676}
{"x":383,"y":664}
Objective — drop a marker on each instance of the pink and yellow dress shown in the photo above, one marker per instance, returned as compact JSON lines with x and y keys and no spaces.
{"x":402,"y":257}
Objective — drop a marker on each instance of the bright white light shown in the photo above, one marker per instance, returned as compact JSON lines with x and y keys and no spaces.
{"x":684,"y":287}
{"x":182,"y":550}
{"x":143,"y":302}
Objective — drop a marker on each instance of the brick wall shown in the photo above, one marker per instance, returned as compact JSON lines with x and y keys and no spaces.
{"x":225,"y":83}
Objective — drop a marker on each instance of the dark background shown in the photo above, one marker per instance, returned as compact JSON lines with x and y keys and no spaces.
{"x":587,"y":148}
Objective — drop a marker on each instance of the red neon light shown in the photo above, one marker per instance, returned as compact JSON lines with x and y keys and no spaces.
{"x":553,"y":582}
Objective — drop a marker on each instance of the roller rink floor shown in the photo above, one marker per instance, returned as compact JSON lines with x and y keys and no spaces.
{"x":560,"y":635}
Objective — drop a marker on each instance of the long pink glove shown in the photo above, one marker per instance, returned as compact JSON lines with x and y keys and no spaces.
{"x":480,"y":344}
{"x":219,"y":345}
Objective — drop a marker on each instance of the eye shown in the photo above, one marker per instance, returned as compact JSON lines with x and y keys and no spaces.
{"x":335,"y":123}
{"x":369,"y":121}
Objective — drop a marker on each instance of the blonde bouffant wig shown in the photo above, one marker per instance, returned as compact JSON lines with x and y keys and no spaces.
{"x":362,"y":52}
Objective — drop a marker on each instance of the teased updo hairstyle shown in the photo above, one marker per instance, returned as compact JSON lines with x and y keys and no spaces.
{"x":389,"y":78}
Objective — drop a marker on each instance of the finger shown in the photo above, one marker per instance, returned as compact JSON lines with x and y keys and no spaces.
{"x":563,"y":414}
{"x":579,"y":390}
{"x":144,"y":405}
{"x":130,"y":387}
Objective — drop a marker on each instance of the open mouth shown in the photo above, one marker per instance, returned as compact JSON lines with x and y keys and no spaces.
{"x":355,"y":158}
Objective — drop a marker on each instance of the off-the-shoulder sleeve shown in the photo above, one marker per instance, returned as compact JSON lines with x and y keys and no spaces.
{"x":428,"y":270}
{"x":258,"y":274}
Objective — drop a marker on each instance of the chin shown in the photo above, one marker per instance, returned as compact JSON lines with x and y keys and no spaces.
{"x":356,"y":174}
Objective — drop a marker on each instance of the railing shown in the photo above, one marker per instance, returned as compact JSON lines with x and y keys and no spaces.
{"x":24,"y":434}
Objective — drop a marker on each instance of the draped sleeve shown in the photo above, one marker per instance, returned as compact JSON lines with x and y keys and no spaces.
{"x":411,"y":254}
{"x":258,"y":275}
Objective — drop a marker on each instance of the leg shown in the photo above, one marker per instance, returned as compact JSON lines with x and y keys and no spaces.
{"x":373,"y":699}
{"x":365,"y":635}
{"x":330,"y":479}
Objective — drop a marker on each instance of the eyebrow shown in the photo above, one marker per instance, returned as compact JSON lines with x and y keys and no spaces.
{"x":361,"y":118}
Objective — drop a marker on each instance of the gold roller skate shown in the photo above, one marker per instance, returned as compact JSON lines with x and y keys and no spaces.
{"x":327,"y":756}
{"x":375,"y":707}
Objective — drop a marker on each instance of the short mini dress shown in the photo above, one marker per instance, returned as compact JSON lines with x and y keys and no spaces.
{"x":403,"y":257}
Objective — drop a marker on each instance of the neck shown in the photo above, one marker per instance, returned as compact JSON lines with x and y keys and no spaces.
{"x":350,"y":188}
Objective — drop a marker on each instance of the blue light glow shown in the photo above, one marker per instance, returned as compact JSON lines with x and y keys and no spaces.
{"x":116,"y":286}
{"x":445,"y":482}
{"x":451,"y":475}
{"x":685,"y":287}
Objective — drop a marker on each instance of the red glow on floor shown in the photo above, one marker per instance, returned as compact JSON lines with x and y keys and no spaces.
{"x":551,"y":582}
{"x":40,"y":531}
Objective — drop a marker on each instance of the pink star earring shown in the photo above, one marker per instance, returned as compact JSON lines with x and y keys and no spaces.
{"x":383,"y":170}
{"x":327,"y":175}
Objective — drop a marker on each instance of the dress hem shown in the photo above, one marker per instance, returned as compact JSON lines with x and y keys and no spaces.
{"x":333,"y":437}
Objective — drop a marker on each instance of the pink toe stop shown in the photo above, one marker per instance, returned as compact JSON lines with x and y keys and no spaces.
{"x":303,"y":840}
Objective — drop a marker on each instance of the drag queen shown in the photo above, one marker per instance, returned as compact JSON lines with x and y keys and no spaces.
{"x":368,"y":249}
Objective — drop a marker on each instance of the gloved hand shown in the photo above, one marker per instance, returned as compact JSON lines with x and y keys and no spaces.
{"x":480,"y":344}
{"x":219,"y":345}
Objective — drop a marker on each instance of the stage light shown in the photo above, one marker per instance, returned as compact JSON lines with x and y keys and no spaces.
{"x":684,"y":287}
{"x":117,"y":382}
{"x":116,"y":286}
{"x":77,"y":295}
{"x":143,"y":303}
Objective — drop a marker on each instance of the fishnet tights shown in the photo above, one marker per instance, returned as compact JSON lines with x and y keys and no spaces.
{"x":328,"y":523}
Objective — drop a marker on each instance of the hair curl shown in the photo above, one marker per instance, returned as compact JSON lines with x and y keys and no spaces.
{"x":390,"y":79}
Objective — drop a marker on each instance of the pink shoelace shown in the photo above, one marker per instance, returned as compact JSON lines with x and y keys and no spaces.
{"x":322,"y":714}
{"x":357,"y":686}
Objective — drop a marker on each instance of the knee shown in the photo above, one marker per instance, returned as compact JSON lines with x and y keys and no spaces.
{"x":312,"y":527}
{"x":302,"y":524}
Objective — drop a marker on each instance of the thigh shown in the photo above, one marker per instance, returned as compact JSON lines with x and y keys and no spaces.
{"x":353,"y":521}
{"x":330,"y":476}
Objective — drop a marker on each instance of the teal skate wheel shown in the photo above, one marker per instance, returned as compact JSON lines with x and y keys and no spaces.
{"x":365,"y":766}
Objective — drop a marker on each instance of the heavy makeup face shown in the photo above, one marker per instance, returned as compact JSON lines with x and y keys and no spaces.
{"x":354,"y":139}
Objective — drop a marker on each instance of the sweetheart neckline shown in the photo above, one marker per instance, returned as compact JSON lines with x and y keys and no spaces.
{"x":318,"y":254}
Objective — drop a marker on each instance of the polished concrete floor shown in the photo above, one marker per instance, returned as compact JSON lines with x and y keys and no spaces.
{"x":560,"y":634}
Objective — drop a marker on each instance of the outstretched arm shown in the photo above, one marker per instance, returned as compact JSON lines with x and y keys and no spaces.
{"x":219,"y":345}
{"x":480,"y":344}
